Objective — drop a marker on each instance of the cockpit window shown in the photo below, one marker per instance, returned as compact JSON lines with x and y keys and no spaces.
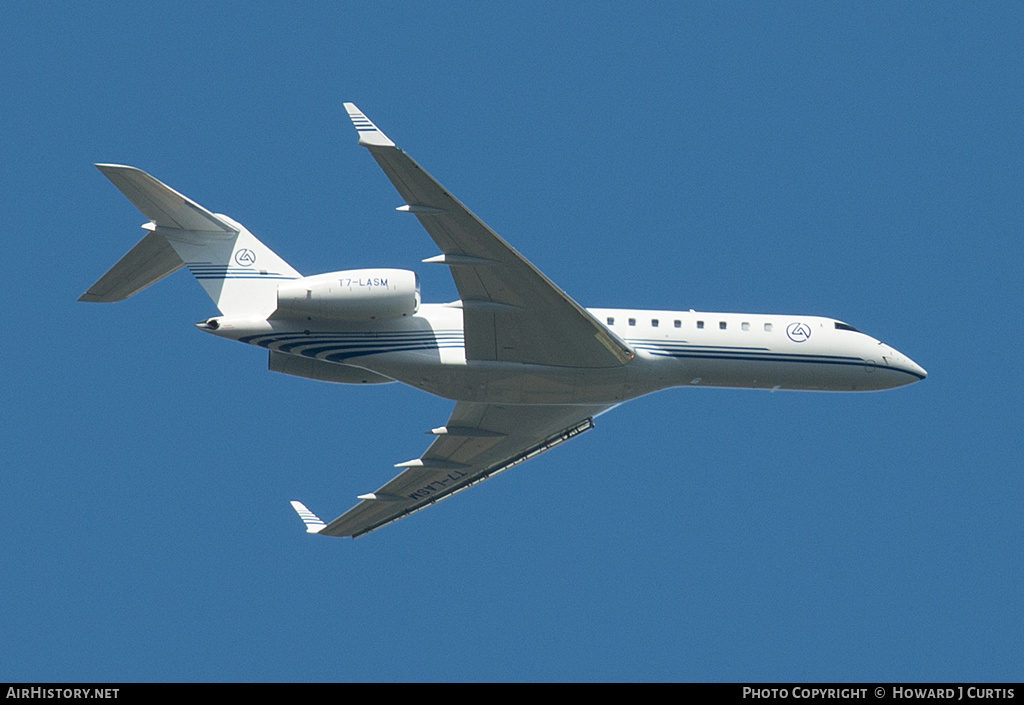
{"x":844,"y":326}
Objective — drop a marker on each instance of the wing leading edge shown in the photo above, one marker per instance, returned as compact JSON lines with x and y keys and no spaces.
{"x":512,"y":312}
{"x":478,"y":442}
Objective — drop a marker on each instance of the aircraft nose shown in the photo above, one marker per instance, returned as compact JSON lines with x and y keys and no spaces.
{"x":915,"y":368}
{"x":905,"y":364}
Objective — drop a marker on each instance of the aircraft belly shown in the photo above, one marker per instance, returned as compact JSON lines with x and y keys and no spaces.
{"x":512,"y":383}
{"x":849,"y":374}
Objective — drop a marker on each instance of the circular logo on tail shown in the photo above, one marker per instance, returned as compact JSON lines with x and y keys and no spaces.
{"x":798,"y":332}
{"x":245,"y":257}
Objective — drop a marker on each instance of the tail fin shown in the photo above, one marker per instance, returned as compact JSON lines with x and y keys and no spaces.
{"x":239,"y":272}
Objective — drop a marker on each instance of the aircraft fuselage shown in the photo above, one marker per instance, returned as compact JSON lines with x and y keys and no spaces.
{"x":673,"y":349}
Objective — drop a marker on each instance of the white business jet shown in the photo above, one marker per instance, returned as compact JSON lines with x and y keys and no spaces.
{"x":528,"y":367}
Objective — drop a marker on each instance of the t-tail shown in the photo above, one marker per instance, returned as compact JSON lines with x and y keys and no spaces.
{"x":239,"y":272}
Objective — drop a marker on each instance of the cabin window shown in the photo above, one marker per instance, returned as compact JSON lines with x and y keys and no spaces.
{"x":745,"y":325}
{"x":700,"y":324}
{"x":768,"y":327}
{"x":611,"y":320}
{"x":678,"y":324}
{"x":654,"y":323}
{"x":722,"y":325}
{"x":632,"y":321}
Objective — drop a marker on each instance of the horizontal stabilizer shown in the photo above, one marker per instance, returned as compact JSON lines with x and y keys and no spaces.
{"x":160,"y":203}
{"x":148,"y":262}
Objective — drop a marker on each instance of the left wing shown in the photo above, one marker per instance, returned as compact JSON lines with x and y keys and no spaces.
{"x":479,"y":441}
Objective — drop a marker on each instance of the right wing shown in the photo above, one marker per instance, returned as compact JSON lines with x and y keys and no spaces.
{"x":511,"y":311}
{"x":479,"y":441}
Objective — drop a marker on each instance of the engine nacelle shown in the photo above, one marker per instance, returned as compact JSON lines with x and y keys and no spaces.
{"x":352,"y":295}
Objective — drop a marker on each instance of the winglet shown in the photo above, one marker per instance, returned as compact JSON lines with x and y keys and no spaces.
{"x":369,"y":135}
{"x":314,"y":524}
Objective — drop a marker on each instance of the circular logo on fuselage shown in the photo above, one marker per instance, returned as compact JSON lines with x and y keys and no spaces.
{"x":245,"y":258}
{"x":798,"y":332}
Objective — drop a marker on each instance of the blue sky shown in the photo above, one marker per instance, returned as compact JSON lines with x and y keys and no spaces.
{"x":856,"y":160}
